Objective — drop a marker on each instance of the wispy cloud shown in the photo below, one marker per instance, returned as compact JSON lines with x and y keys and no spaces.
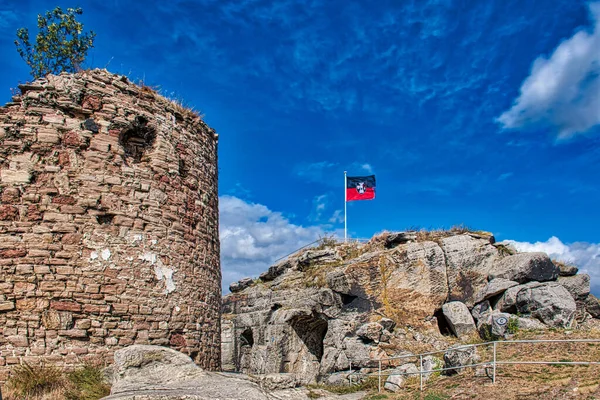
{"x":8,"y":19}
{"x":585,"y":255}
{"x":563,"y":90}
{"x":253,"y":236}
{"x":318,"y":172}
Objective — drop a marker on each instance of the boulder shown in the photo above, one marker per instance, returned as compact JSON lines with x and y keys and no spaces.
{"x":277,"y":269}
{"x":241,"y":285}
{"x":566,"y":269}
{"x":508,"y":301}
{"x":592,"y":305}
{"x":387,"y":324}
{"x":399,"y":375}
{"x":154,"y":372}
{"x":431,"y":363}
{"x":459,"y":318}
{"x":459,"y":356}
{"x":370,"y":332}
{"x":530,"y":324}
{"x":495,"y":287}
{"x":314,"y":257}
{"x":577,"y":285}
{"x":497,"y":325}
{"x":549,"y":302}
{"x":525,"y":267}
{"x":396,"y":238}
{"x":469,"y":261}
{"x":481,"y":310}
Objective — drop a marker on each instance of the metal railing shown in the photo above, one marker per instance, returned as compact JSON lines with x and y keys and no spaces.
{"x":493,"y":363}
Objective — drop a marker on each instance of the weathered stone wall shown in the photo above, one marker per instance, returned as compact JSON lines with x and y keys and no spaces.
{"x":108,"y":223}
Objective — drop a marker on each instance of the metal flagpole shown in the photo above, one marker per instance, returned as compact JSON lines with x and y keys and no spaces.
{"x":345,"y":207}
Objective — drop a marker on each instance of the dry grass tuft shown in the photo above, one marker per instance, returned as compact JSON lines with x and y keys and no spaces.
{"x":46,"y":382}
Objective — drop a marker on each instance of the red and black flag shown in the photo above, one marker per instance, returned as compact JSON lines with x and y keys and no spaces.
{"x":360,"y":187}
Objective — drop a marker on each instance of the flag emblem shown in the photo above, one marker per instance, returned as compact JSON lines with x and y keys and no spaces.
{"x":360,"y":188}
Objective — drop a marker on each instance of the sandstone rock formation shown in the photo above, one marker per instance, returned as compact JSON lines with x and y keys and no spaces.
{"x":108,"y":223}
{"x":343,"y":307}
{"x":158,"y":373}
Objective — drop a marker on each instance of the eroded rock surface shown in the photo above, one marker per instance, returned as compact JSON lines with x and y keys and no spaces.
{"x":322,"y":313}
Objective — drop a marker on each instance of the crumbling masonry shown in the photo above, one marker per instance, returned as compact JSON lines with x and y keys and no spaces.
{"x":108,"y":223}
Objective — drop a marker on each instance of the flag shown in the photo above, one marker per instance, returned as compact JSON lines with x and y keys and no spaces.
{"x":360,"y":187}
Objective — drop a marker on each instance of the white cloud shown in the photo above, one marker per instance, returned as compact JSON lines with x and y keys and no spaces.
{"x":367,"y":168}
{"x":563,"y":90}
{"x":585,"y":255}
{"x":253,"y":236}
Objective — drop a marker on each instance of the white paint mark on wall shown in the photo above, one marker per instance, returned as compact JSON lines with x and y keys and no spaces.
{"x":93,"y":255}
{"x":161,"y":271}
{"x":105,"y":254}
{"x":138,"y":238}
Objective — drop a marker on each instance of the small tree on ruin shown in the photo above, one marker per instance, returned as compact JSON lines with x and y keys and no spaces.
{"x":60,"y":44}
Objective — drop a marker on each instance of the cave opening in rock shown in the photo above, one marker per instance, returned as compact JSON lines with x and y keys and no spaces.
{"x":311,"y":330}
{"x":137,"y":138}
{"x":347,"y":298}
{"x":247,"y":338}
{"x":442,"y":323}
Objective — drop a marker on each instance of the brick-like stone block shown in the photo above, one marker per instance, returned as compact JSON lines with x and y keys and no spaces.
{"x":65,"y":306}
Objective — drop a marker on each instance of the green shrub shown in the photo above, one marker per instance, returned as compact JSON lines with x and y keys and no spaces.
{"x":513,"y":325}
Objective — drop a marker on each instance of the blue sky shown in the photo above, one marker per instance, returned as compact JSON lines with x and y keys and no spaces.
{"x":483,"y":113}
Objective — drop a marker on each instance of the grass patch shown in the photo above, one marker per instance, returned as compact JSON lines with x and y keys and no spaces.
{"x":87,"y":384}
{"x":47,"y":382}
{"x":370,"y":383}
{"x":34,"y":381}
{"x":436,"y":396}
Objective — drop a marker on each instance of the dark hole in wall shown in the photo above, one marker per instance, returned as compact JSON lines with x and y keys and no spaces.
{"x":366,"y":340}
{"x":247,"y":338}
{"x":137,"y":138}
{"x":91,"y":125}
{"x":442,"y":323}
{"x":347,"y":298}
{"x":105,"y":219}
{"x":184,"y":170}
{"x":311,"y":330}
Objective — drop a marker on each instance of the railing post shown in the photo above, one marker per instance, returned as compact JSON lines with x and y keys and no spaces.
{"x":494,"y":365}
{"x":349,"y":374}
{"x":379,"y":374}
{"x":420,"y":370}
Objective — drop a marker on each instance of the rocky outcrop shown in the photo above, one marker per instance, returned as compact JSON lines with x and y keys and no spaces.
{"x":331,"y":310}
{"x":158,"y":373}
{"x":468,"y":263}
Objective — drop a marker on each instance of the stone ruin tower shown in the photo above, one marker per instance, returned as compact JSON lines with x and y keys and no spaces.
{"x":108,"y":223}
